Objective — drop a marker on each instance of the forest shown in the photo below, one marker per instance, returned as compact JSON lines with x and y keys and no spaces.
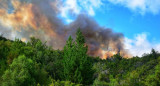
{"x":34,"y":63}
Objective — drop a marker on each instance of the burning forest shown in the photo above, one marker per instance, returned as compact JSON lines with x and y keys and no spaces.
{"x":39,"y":18}
{"x":79,"y":43}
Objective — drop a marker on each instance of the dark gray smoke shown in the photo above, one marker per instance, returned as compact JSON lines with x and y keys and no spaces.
{"x":96,"y":36}
{"x":39,"y":18}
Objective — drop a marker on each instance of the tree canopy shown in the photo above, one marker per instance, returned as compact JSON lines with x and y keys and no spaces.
{"x":34,"y":63}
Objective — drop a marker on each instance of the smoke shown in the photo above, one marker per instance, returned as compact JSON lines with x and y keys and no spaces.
{"x":99,"y":39}
{"x":39,"y":18}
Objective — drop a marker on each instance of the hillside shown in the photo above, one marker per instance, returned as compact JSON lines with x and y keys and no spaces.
{"x":35,"y":63}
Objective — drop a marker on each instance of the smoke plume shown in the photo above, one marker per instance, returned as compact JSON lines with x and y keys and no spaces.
{"x":39,"y":18}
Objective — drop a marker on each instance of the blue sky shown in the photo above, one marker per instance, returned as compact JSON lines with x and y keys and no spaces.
{"x":122,"y":19}
{"x":138,"y":20}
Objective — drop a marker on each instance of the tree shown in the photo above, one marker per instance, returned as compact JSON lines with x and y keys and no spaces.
{"x":63,"y":83}
{"x":154,"y":79}
{"x":24,"y":72}
{"x":80,"y":38}
{"x":2,"y":38}
{"x":15,"y":50}
{"x":154,"y":54}
{"x":4,"y":51}
{"x":77,"y":65}
{"x":19,"y":73}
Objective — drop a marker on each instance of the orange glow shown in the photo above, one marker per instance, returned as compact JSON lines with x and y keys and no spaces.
{"x":24,"y":17}
{"x":107,"y":54}
{"x":32,"y":21}
{"x":24,"y":39}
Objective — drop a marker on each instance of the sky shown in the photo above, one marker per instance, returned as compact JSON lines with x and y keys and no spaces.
{"x":138,"y":20}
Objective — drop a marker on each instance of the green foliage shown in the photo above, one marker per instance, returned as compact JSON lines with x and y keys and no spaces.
{"x":76,"y":63}
{"x":4,"y":49}
{"x":63,"y":83}
{"x":154,"y":79}
{"x":15,"y":50}
{"x":3,"y":38}
{"x":35,"y":63}
{"x":113,"y":81}
{"x":80,"y":38}
{"x":24,"y":72}
{"x":19,"y":73}
{"x":100,"y":83}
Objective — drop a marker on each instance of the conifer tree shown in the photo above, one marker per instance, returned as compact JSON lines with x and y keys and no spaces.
{"x":76,"y":63}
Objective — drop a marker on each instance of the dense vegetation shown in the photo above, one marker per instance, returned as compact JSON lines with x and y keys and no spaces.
{"x":35,"y":63}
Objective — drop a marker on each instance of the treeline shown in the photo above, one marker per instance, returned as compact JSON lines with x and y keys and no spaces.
{"x":36,"y":64}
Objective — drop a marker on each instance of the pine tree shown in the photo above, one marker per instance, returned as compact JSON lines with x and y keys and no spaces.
{"x":76,"y":63}
{"x":68,"y":59}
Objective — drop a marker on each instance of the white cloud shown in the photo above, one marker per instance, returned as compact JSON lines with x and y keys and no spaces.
{"x":69,"y":20}
{"x":140,"y":45}
{"x":79,"y":6}
{"x":70,"y":5}
{"x":141,"y":6}
{"x":90,"y":5}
